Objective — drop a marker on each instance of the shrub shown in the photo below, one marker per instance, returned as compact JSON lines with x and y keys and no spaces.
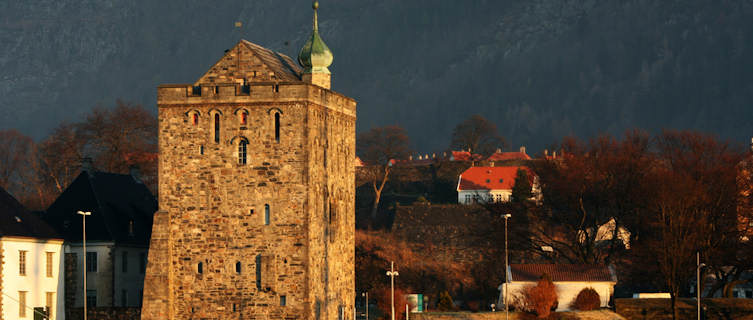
{"x":383,"y":299}
{"x":445,"y":302}
{"x":541,"y":297}
{"x":587,"y":299}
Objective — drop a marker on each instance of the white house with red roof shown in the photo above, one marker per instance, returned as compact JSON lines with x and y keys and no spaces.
{"x":568,"y":279}
{"x":490,"y":184}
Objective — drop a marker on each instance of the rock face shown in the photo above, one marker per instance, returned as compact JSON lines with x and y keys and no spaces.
{"x":256,"y":195}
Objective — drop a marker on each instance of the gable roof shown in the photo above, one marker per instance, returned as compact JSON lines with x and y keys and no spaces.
{"x":251,"y":62}
{"x":489,"y":178}
{"x":502,"y":156}
{"x":464,"y":156}
{"x":562,"y":272}
{"x":114,"y":201}
{"x":15,"y":220}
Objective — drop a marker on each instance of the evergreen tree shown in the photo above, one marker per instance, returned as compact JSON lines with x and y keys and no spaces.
{"x":521,"y":191}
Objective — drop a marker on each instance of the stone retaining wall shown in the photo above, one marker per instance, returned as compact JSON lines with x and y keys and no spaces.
{"x":718,"y":308}
{"x":105,"y":313}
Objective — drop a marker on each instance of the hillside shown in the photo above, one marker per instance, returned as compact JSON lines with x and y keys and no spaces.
{"x":539,"y":69}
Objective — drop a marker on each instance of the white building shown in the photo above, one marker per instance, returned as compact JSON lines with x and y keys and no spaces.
{"x":31,"y":268}
{"x":117,"y":236}
{"x":491,"y":184}
{"x":569,"y":280}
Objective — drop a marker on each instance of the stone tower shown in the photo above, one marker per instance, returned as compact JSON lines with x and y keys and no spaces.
{"x":256,"y":192}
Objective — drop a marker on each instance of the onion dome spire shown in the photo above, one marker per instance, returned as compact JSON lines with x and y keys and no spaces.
{"x":315,"y":57}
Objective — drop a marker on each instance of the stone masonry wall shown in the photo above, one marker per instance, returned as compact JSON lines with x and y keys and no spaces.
{"x":212,"y":208}
{"x":2,"y":262}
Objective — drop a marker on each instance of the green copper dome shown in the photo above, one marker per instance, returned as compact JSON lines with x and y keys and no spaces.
{"x":315,"y":57}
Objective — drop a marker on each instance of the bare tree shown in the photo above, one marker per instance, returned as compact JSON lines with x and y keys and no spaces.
{"x":377,"y":147}
{"x":476,"y":135}
{"x":16,"y":152}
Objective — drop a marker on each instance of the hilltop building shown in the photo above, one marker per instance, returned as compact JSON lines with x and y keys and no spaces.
{"x":31,"y":268}
{"x":491,"y":184}
{"x":256,"y":191}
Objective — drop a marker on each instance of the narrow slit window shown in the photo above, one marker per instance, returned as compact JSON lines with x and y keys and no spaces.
{"x":283,"y":301}
{"x":277,"y":127}
{"x":217,"y":128}
{"x":266,"y":214}
{"x":242,"y":148}
{"x":195,"y":119}
{"x":201,"y":149}
{"x":258,"y":272}
{"x":200,"y":267}
{"x":238,"y":267}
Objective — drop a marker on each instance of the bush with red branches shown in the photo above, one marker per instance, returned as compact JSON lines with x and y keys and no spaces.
{"x":542,"y":297}
{"x":587,"y":299}
{"x":383,"y":299}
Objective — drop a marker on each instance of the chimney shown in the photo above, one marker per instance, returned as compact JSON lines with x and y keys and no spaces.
{"x":522,"y":149}
{"x":87,"y":165}
{"x":135,"y":173}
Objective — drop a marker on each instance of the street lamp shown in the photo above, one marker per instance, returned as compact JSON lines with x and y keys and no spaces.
{"x":366,"y":294}
{"x":699,"y":265}
{"x":83,"y":216}
{"x":507,"y":268}
{"x":392,"y":274}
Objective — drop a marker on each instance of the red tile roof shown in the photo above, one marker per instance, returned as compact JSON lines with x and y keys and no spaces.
{"x":561,"y":272}
{"x":465,"y":156}
{"x":489,"y":178}
{"x":502,"y":156}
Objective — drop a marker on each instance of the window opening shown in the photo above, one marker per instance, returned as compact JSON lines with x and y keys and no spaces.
{"x":142,"y":262}
{"x":234,"y":307}
{"x":22,"y":304}
{"x":125,"y":261}
{"x":200,"y":267}
{"x":283,"y":300}
{"x":217,"y":128}
{"x":258,"y":271}
{"x":277,"y":126}
{"x":91,"y":298}
{"x":242,"y":147}
{"x":48,"y":270}
{"x":244,"y":118}
{"x":266,"y":214}
{"x":238,"y":267}
{"x":49,"y":301}
{"x":91,"y":262}
{"x":123,"y":298}
{"x":195,"y":118}
{"x":201,"y":149}
{"x":21,"y":263}
{"x":277,"y":88}
{"x":130,"y":228}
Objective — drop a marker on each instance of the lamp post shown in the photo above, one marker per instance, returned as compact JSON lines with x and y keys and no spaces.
{"x":366,"y":294}
{"x":507,"y":268}
{"x":83,"y":216}
{"x":699,"y":265}
{"x":392,"y":274}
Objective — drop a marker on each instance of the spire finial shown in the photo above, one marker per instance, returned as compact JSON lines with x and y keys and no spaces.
{"x":315,"y":6}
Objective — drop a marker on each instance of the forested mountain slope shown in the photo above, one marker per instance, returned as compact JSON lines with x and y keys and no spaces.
{"x":540,"y":69}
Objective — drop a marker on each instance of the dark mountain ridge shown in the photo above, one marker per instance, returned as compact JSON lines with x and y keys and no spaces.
{"x":539,"y":69}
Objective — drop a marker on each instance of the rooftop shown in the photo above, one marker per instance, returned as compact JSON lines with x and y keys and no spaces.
{"x":562,"y":272}
{"x":489,"y":178}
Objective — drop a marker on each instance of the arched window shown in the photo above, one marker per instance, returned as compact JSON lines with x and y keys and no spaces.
{"x":200,"y":267}
{"x":266,"y":214}
{"x":244,"y":118}
{"x":217,"y":128}
{"x":242,"y":148}
{"x":195,"y":119}
{"x":277,"y":126}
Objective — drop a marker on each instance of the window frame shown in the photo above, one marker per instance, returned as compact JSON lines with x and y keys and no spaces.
{"x":242,"y":152}
{"x":91,"y":261}
{"x":49,"y":259}
{"x":22,"y":262}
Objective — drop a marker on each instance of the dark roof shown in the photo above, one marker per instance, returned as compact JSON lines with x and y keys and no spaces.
{"x":283,"y":66}
{"x":114,"y":201}
{"x":561,"y":272}
{"x":15,"y":220}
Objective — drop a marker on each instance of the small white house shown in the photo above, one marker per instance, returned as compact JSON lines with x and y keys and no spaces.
{"x":491,"y":184}
{"x":569,"y":279}
{"x":31,"y":267}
